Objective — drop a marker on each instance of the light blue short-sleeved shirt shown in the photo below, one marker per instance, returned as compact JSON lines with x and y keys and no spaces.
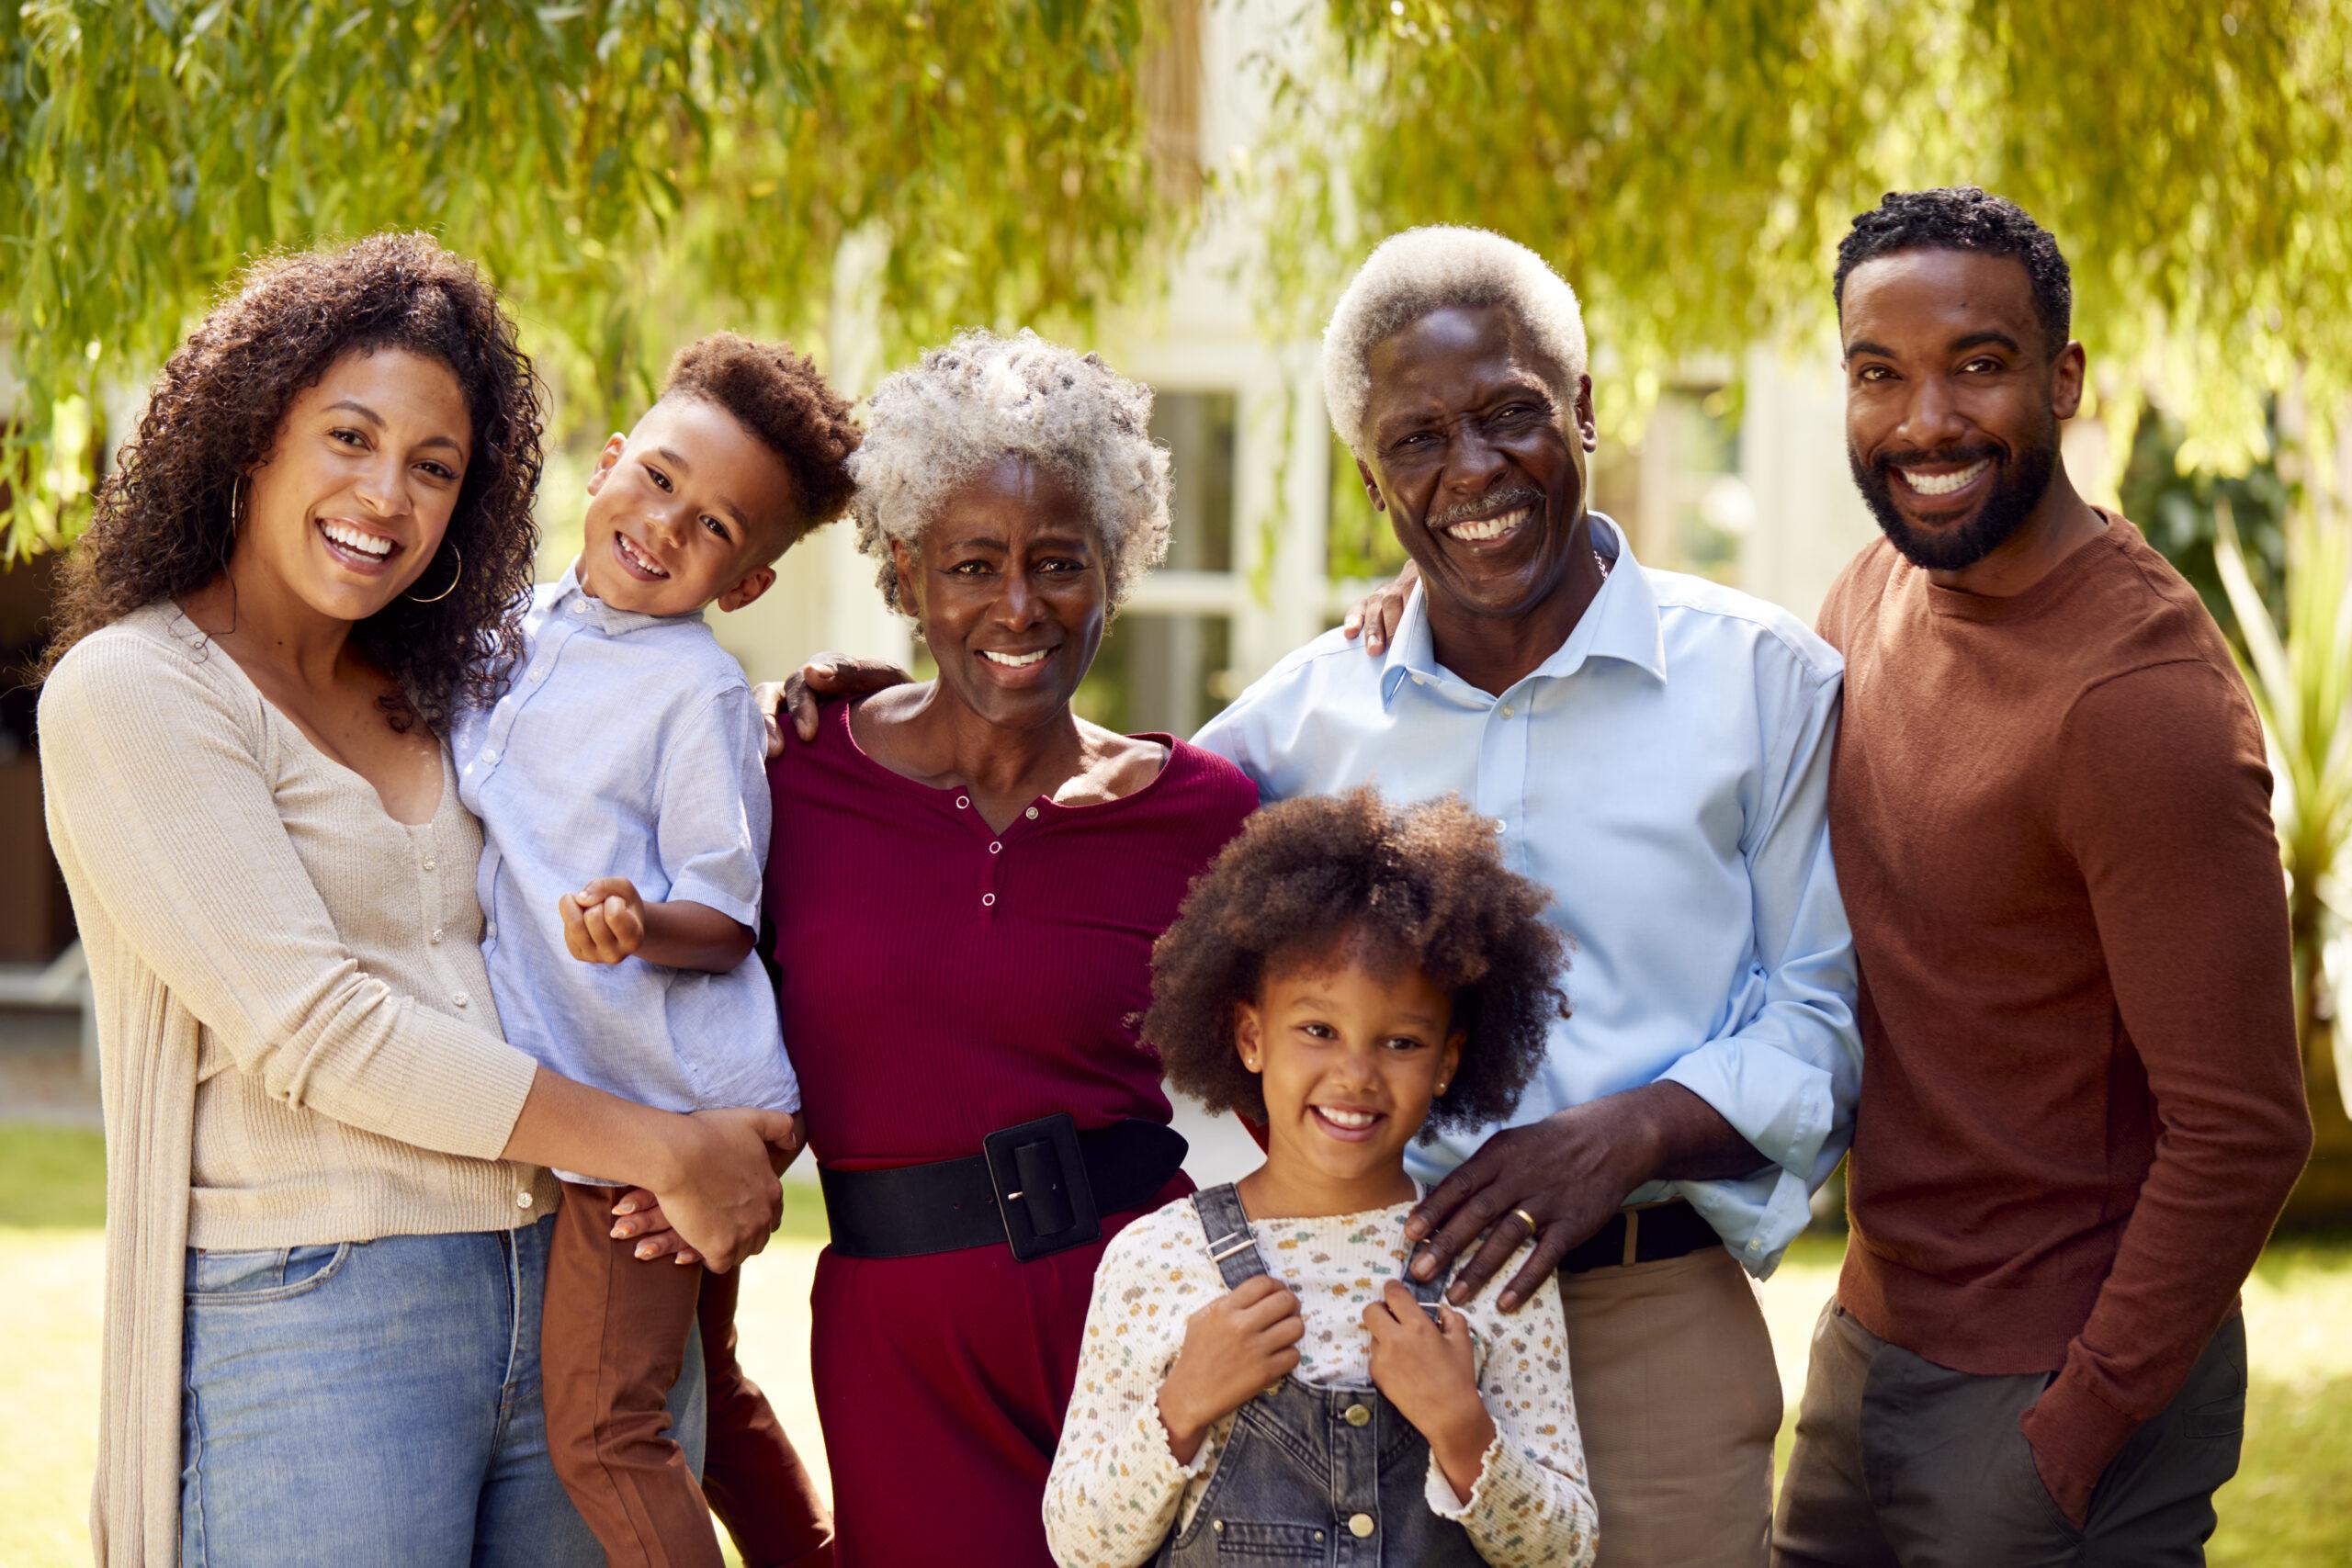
{"x":626,"y":745}
{"x":1665,"y":773}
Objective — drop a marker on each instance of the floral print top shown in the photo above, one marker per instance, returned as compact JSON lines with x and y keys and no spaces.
{"x":1116,"y":1491}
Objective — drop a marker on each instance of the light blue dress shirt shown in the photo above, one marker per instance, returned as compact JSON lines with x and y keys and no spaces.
{"x":1666,"y":774}
{"x":626,"y":745}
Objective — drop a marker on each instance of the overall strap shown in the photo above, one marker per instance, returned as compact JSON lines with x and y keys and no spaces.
{"x":1231,"y":1247}
{"x":1430,"y":1293}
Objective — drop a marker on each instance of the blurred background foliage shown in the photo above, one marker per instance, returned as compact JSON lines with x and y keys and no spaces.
{"x":633,"y":170}
{"x":610,"y":164}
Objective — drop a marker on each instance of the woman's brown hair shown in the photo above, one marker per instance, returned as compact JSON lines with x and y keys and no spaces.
{"x":163,"y":523}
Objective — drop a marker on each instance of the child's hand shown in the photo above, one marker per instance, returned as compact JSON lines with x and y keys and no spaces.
{"x":1235,"y":1349}
{"x":604,"y":921}
{"x":1429,"y":1373}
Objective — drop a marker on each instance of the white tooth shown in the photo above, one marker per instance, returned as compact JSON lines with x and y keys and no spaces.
{"x":1016,"y":659}
{"x":1945,"y":484}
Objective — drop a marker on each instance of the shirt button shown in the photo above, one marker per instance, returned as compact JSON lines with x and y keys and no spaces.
{"x":491,"y":931}
{"x":580,"y":606}
{"x":538,"y":676}
{"x":490,"y":757}
{"x":996,"y":849}
{"x":1032,"y":814}
{"x":460,"y":999}
{"x":963,"y":802}
{"x":988,"y":900}
{"x":437,"y":934}
{"x":1506,"y":710}
{"x":522,"y":1199}
{"x":1501,"y":826}
{"x":1357,"y":1416}
{"x":1420,"y":680}
{"x":1360,"y":1525}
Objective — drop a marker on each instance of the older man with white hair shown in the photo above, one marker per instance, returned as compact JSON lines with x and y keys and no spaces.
{"x":1654,"y":748}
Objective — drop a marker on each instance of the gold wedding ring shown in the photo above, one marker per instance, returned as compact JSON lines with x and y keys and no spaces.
{"x":1532,"y":1228}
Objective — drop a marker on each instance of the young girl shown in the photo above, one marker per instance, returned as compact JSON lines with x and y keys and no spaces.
{"x":1259,"y":1378}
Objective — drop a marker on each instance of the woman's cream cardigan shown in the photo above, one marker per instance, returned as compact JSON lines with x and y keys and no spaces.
{"x":296,"y":1032}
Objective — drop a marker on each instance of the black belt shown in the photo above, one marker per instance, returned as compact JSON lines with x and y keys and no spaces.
{"x":1040,"y":1188}
{"x":1667,"y":1230}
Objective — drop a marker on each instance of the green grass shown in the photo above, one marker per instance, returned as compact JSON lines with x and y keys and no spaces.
{"x":2286,"y":1509}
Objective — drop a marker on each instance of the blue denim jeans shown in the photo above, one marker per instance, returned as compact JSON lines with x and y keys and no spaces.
{"x":378,"y":1403}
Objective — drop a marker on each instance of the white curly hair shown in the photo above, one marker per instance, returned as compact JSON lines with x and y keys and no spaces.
{"x":983,"y":397}
{"x":1410,"y":273}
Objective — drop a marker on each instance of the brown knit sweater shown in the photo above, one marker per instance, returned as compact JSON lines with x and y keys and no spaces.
{"x":2082,"y":1104}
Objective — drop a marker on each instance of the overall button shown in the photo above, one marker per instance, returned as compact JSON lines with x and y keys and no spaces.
{"x":436,"y":937}
{"x":1360,"y":1525}
{"x":1356,"y":1415}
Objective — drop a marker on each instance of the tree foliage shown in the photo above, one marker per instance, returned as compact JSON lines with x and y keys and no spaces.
{"x":616,"y":165}
{"x":1691,"y":164}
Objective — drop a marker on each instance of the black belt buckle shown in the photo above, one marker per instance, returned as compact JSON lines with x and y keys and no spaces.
{"x":1043,"y":1193}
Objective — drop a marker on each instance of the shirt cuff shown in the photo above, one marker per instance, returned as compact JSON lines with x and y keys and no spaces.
{"x":1440,"y":1491}
{"x":1779,"y":1103}
{"x":696,"y":890}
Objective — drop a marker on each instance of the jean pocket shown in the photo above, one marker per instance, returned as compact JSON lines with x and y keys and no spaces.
{"x":267,"y":1274}
{"x":2222,"y":1418}
{"x":1240,"y":1541}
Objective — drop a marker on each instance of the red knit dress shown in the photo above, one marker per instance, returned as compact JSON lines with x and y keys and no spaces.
{"x":940,"y":981}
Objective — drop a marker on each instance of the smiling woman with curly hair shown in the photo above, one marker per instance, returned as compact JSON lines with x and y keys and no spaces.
{"x":326,"y":1226}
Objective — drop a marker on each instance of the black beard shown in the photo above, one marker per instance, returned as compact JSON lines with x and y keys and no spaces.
{"x":2018,"y":482}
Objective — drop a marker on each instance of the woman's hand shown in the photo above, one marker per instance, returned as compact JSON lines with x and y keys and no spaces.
{"x":1430,"y":1374}
{"x":639,"y":1211}
{"x":725,"y":1200}
{"x":827,"y":675}
{"x":1377,"y":614}
{"x":1235,"y":1349}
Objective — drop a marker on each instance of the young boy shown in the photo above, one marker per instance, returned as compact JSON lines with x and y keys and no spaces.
{"x":625,"y":816}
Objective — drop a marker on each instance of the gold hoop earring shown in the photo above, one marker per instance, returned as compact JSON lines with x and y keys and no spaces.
{"x":453,"y":581}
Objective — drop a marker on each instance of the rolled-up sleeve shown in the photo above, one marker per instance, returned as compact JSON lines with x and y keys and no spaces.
{"x":713,"y":819}
{"x":1786,"y":1079}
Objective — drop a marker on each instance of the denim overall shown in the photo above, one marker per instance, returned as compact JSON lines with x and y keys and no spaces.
{"x":1312,"y":1474}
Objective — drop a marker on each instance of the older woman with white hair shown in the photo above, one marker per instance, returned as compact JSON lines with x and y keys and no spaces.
{"x":966,"y":881}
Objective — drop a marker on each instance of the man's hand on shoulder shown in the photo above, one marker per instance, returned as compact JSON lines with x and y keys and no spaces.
{"x":826,"y":675}
{"x":1375,"y":616}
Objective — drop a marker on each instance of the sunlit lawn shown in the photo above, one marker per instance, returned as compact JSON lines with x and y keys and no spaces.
{"x":2290,"y":1508}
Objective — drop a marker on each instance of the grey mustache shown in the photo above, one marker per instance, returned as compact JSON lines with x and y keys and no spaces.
{"x":1487,"y":506}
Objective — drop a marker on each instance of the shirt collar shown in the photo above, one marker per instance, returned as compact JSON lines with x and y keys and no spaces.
{"x":611,"y":621}
{"x":1621,"y":623}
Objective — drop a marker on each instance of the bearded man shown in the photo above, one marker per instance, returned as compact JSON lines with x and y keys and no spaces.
{"x":2084,"y":1107}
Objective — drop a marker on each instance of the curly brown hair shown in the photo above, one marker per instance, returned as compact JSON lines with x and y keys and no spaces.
{"x":1424,"y":884}
{"x":780,"y":398}
{"x":162,"y":525}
